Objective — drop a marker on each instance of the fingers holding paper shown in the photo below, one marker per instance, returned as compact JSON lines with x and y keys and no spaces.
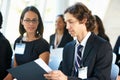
{"x":55,"y":75}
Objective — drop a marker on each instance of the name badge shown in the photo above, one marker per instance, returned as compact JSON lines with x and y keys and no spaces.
{"x":19,"y":48}
{"x":82,"y":73}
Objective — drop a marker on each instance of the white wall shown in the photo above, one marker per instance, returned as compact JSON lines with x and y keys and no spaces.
{"x":112,"y":21}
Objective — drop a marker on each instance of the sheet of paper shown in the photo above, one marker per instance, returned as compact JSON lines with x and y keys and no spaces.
{"x":42,"y":64}
{"x":55,"y":58}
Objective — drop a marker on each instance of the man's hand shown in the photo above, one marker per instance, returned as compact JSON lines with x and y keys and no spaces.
{"x":55,"y":75}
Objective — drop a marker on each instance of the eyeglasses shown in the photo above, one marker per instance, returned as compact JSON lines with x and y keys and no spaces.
{"x":34,"y":21}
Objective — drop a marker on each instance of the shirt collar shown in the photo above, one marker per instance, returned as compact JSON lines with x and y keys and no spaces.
{"x":84,"y":41}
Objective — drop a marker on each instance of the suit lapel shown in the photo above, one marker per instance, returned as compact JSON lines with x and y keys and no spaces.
{"x":72,"y":50}
{"x":71,"y":53}
{"x":53,"y":40}
{"x":61,"y":42}
{"x":88,"y":47}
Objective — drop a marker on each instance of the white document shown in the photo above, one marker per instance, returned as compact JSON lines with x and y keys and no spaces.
{"x":55,"y":58}
{"x":42,"y":64}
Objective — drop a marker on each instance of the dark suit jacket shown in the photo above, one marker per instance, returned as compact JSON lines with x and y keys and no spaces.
{"x":5,"y":56}
{"x":97,"y":56}
{"x":116,"y":51}
{"x":65,"y":39}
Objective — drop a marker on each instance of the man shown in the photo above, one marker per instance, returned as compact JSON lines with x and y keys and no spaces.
{"x":96,"y":55}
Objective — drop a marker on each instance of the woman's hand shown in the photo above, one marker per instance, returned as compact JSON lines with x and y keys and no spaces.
{"x":8,"y":77}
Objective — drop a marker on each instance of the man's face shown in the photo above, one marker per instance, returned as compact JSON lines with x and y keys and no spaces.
{"x":73,"y":25}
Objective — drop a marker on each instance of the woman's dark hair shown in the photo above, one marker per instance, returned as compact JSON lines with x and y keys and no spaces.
{"x":1,"y":20}
{"x":62,"y":17}
{"x":40,"y":28}
{"x":80,"y":12}
{"x":101,"y":30}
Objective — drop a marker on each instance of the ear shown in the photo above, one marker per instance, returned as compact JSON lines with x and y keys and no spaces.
{"x":84,"y":20}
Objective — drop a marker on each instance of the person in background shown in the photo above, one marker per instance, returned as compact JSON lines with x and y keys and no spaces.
{"x":31,"y":41}
{"x":116,"y":50}
{"x":100,"y":31}
{"x":99,"y":28}
{"x":61,"y":36}
{"x":89,"y":57}
{"x":5,"y":53}
{"x":57,"y":41}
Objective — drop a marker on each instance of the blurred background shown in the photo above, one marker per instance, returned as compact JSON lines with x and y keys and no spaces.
{"x":107,"y":10}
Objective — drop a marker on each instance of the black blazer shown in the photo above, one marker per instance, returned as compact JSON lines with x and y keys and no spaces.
{"x":116,"y":51}
{"x":97,"y":56}
{"x":5,"y":56}
{"x":65,"y":39}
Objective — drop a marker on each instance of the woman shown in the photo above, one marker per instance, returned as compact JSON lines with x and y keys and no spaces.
{"x":61,"y":36}
{"x":31,"y":30}
{"x":30,"y":45}
{"x":99,"y":28}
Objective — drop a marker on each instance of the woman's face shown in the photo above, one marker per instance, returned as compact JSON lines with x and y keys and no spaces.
{"x":30,"y":22}
{"x":59,"y":23}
